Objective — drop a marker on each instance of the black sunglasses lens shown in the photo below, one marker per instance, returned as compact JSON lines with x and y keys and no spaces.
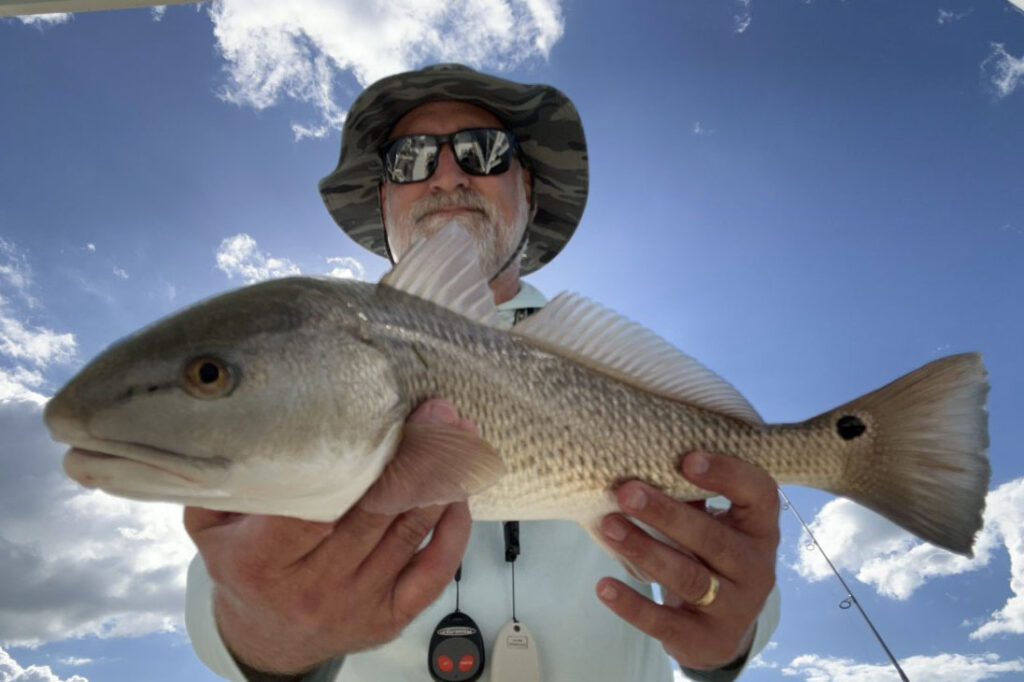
{"x":411,"y":158}
{"x":483,"y":151}
{"x":478,"y":151}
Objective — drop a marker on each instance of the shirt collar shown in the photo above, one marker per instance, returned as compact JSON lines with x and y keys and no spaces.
{"x":528,"y":297}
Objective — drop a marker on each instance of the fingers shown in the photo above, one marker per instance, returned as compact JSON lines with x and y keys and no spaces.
{"x":752,"y":491}
{"x":437,"y":411}
{"x":698,"y":638}
{"x":723,"y":542}
{"x":434,"y":566}
{"x":660,"y":622}
{"x":198,"y":520}
{"x":259,"y":541}
{"x":400,"y":542}
{"x":679,"y":573}
{"x":715,"y":543}
{"x":267,"y":542}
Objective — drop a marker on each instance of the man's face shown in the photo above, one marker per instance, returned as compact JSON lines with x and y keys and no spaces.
{"x":494,"y":209}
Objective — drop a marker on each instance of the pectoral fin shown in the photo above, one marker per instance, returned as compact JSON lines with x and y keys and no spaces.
{"x":435,"y":464}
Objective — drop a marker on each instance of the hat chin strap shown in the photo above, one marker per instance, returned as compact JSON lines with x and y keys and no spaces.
{"x":518,"y":252}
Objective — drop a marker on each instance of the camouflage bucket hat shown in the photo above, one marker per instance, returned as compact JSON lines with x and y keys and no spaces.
{"x":545,"y":123}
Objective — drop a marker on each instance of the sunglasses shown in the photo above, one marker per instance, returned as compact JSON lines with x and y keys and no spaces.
{"x":478,"y":151}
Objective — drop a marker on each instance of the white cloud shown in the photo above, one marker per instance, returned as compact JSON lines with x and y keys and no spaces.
{"x":42,"y":20}
{"x":1004,"y":71}
{"x":743,"y":16}
{"x":346,"y":268}
{"x":168,"y":290}
{"x":948,"y":16}
{"x":74,"y":660}
{"x":20,"y":341}
{"x":36,"y":344}
{"x":938,"y":668}
{"x":761,"y":660}
{"x":15,"y":270}
{"x":91,"y":246}
{"x":240,"y":255}
{"x":16,"y":386}
{"x":74,"y":562}
{"x":296,"y":50}
{"x":120,"y":272}
{"x":700,"y":130}
{"x":879,"y":552}
{"x":158,"y":12}
{"x":12,"y":671}
{"x":896,"y":564}
{"x":1019,"y":4}
{"x":1004,"y":518}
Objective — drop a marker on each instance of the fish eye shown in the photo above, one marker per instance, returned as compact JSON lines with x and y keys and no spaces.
{"x":849,"y":427}
{"x":208,"y":377}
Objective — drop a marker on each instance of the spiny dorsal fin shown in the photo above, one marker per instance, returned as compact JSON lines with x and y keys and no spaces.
{"x":610,"y":343}
{"x":443,"y":269}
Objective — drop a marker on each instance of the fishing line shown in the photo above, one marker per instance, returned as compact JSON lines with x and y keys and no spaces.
{"x":850,"y":598}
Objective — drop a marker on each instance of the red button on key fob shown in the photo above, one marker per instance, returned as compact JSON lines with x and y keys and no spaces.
{"x":456,"y":652}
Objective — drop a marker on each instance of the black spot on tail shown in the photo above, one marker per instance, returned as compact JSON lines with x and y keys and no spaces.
{"x":849,"y":427}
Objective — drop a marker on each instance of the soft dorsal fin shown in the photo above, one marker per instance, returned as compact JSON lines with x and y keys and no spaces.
{"x":610,"y":343}
{"x":444,"y":269}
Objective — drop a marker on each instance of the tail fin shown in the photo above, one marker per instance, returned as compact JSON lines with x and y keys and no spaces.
{"x":929,"y":472}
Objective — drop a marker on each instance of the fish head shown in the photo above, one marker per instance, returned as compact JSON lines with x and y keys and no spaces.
{"x":263,"y":399}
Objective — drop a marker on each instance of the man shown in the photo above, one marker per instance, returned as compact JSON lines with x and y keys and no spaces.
{"x":359,"y":599}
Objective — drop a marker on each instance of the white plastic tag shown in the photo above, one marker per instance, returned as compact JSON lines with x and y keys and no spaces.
{"x":514,"y":657}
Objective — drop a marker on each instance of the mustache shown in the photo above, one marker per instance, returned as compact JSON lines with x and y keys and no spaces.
{"x":458,"y":198}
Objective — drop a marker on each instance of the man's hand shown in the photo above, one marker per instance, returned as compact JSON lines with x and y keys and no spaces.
{"x":291,"y":594}
{"x":739,"y":546}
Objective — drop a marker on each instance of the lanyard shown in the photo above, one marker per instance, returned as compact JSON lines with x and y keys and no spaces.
{"x":457,"y":653}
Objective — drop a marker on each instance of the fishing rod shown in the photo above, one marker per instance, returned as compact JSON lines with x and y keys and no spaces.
{"x":850,"y":600}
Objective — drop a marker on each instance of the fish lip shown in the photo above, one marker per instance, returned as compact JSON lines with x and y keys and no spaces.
{"x":196,"y":471}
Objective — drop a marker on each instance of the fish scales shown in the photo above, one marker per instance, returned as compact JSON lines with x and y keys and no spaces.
{"x":291,"y":397}
{"x":566,"y":431}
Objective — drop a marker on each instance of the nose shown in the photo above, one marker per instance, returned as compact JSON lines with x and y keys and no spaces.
{"x":448,"y":175}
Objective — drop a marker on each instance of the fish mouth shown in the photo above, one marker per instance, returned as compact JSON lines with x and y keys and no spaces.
{"x":117,"y":466}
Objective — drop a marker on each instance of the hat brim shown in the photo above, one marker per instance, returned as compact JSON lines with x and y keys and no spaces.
{"x":544,"y":121}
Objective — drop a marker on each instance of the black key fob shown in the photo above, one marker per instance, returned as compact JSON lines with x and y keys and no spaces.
{"x":456,"y":652}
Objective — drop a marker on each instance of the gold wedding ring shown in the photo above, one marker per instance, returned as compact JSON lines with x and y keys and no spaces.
{"x":710,"y":594}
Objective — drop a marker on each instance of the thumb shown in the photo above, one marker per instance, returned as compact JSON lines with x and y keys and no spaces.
{"x":440,"y":412}
{"x":435,"y":411}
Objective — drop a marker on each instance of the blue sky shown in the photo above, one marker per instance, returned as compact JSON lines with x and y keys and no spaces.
{"x":811,"y":197}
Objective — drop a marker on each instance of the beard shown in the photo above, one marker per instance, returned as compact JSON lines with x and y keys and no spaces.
{"x":496,"y":239}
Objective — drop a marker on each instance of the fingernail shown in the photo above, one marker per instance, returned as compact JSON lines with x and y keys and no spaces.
{"x":443,"y":413}
{"x":614,"y":529}
{"x":608,"y":592}
{"x":635,"y":499}
{"x":697,"y":464}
